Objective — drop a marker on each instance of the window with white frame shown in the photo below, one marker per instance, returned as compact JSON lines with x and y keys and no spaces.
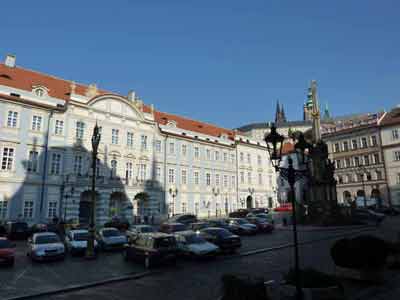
{"x":354,"y":144}
{"x":114,"y":165}
{"x":366,"y":160}
{"x":233,"y":181}
{"x":348,"y":162}
{"x":249,"y":177}
{"x":216,"y":155}
{"x":33,"y":161}
{"x":171,"y":148}
{"x":79,"y":130}
{"x":260,"y":181}
{"x":208,"y":179}
{"x":242,"y":177}
{"x":217,"y":182}
{"x":376,"y":158}
{"x":36,"y":123}
{"x":345,"y":146}
{"x":208,"y":154}
{"x":225,"y":181}
{"x":184,"y":177}
{"x":356,"y":161}
{"x":196,"y":178}
{"x":158,"y":174}
{"x":373,"y":140}
{"x":378,"y":175}
{"x":171,"y":176}
{"x":158,"y":146}
{"x":114,"y":136}
{"x":55,"y":167}
{"x":184,"y":149}
{"x":129,"y":170}
{"x":248,"y":158}
{"x":78,"y":163}
{"x":396,"y":155}
{"x":259,"y":160}
{"x":196,"y":152}
{"x":233,"y":158}
{"x":59,"y":127}
{"x":52,"y":209}
{"x":142,"y":172}
{"x":395,"y":134}
{"x":364,"y":143}
{"x":241,"y":157}
{"x":12,"y":119}
{"x":143,"y":142}
{"x":3,"y":209}
{"x":398,"y":178}
{"x":225,"y":156}
{"x":129,"y":139}
{"x":28,"y":209}
{"x":7,"y":159}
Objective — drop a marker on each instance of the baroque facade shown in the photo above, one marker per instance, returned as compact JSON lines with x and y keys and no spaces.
{"x":183,"y":165}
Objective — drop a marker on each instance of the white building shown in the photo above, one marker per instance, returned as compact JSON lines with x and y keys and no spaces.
{"x":183,"y":165}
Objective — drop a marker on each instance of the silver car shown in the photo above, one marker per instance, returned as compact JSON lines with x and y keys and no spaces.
{"x":110,"y":238}
{"x":137,"y":230}
{"x":76,"y":241}
{"x":45,"y":246}
{"x":193,"y":244}
{"x":244,"y":227}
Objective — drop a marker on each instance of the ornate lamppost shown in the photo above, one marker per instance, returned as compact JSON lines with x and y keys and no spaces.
{"x":274,"y":142}
{"x":90,"y":253}
{"x":215,"y":192}
{"x":173,"y":191}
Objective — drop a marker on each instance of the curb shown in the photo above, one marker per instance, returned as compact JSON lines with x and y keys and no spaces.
{"x":77,"y":287}
{"x":321,"y":229}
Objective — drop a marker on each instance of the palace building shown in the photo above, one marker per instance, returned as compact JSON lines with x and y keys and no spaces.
{"x":181,"y":165}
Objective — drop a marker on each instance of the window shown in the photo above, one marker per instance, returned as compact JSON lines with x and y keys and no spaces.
{"x":28,"y":209}
{"x":171,"y":176}
{"x":158,"y":174}
{"x":184,"y":149}
{"x":376,"y":158}
{"x":216,"y":155}
{"x":36,"y":123}
{"x":52,"y":210}
{"x":196,"y":178}
{"x":129,"y":139}
{"x":354,"y":144}
{"x":373,"y":140}
{"x":59,"y":127}
{"x":336,"y":148}
{"x":143,"y":144}
{"x":114,"y":136}
{"x":249,"y":177}
{"x":378,"y":175}
{"x":55,"y":167}
{"x":345,"y":146}
{"x":184,"y":177}
{"x":217,"y":182}
{"x":78,"y":165}
{"x":171,"y":148}
{"x":196,"y":152}
{"x":98,"y":167}
{"x":259,"y":161}
{"x":3,"y":209}
{"x":80,"y":129}
{"x":242,"y":177}
{"x":348,"y":162}
{"x":340,"y":179}
{"x":39,"y":92}
{"x":232,"y":158}
{"x":233,"y":181}
{"x":395,"y":134}
{"x":360,"y":177}
{"x":356,"y":161}
{"x":366,"y":160}
{"x":241,"y":156}
{"x":225,"y":156}
{"x":208,"y":154}
{"x":397,"y":182}
{"x":260,"y":181}
{"x":12,"y":119}
{"x":183,"y":207}
{"x":396,"y":155}
{"x":248,"y":158}
{"x":7,"y":159}
{"x":129,"y":170}
{"x":208,"y":179}
{"x":364,"y":143}
{"x":142,"y":172}
{"x":369,"y":177}
{"x":113,"y":168}
{"x":225,"y":180}
{"x":33,"y":161}
{"x":338,"y":164}
{"x":158,"y":146}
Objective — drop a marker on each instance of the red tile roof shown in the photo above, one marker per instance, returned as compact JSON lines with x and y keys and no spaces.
{"x":287,"y":148}
{"x":391,"y":118}
{"x":24,"y":79}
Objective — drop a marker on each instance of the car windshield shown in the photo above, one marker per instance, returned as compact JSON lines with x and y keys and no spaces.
{"x":194,"y":239}
{"x":5,"y":244}
{"x":110,"y":233}
{"x":81,"y":236}
{"x":166,"y":242}
{"x":146,"y":229}
{"x":241,"y":221}
{"x":47,"y":239}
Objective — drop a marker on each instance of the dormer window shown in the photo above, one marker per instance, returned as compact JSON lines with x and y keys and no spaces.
{"x":39,"y":90}
{"x":171,"y":123}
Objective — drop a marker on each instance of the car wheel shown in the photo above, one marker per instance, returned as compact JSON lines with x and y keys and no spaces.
{"x":147,"y":262}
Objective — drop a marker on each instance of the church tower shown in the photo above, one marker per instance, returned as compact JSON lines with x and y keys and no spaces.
{"x":279,"y":113}
{"x":308,"y":106}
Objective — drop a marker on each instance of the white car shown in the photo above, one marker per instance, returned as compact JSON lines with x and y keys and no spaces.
{"x":76,"y":241}
{"x":111,"y":238}
{"x":45,"y":246}
{"x":193,"y":244}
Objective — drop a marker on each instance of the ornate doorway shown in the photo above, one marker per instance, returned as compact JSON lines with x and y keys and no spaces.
{"x":249,"y":202}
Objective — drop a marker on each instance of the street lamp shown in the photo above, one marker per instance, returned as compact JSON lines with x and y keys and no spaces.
{"x":226,"y":204}
{"x":274,"y":142}
{"x":90,"y":253}
{"x":251,"y":191}
{"x":173,"y":191}
{"x":215,"y":192}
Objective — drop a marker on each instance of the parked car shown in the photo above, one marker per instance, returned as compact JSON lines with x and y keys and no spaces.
{"x":224,"y":239}
{"x":45,"y":246}
{"x":194,"y":245}
{"x":223,"y":223}
{"x":17,"y":230}
{"x":367,"y":216}
{"x":152,"y":249}
{"x":244,"y":226}
{"x":41,"y":227}
{"x":137,"y":230}
{"x":268,"y":217}
{"x":172,"y":227}
{"x":262,"y":224}
{"x":184,"y":219}
{"x":7,"y":252}
{"x":388,"y":211}
{"x":3,"y":229}
{"x":240,"y":213}
{"x":111,"y":239}
{"x":199,"y":225}
{"x":259,"y":210}
{"x":76,"y":241}
{"x":118,"y":223}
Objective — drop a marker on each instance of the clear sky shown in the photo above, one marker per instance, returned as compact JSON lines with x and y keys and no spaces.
{"x":220,"y":61}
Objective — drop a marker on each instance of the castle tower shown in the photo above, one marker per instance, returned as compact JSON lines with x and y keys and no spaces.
{"x":308,"y":106}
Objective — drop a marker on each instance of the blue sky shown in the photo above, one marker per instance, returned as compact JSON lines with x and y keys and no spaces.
{"x":220,"y":61}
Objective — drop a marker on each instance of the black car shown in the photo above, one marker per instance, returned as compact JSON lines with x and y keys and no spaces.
{"x":184,"y":219}
{"x":172,"y":227}
{"x":240,"y":213}
{"x":16,"y":230}
{"x":152,"y":249}
{"x":224,"y":239}
{"x":199,"y":225}
{"x":221,"y":223}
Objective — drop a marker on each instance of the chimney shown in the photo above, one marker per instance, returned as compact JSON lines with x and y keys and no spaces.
{"x":10,"y":60}
{"x":131,"y":95}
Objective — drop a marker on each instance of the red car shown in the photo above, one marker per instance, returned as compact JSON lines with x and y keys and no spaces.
{"x":284,"y":207}
{"x":7,"y":252}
